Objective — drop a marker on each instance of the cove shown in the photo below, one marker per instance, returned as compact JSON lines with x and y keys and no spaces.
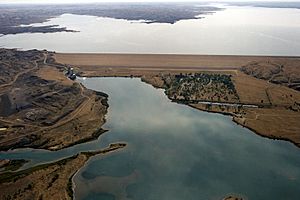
{"x":174,"y":152}
{"x":177,"y":152}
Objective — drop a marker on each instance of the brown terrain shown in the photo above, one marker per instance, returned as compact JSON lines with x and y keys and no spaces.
{"x":283,"y":71}
{"x":143,"y":64}
{"x":258,"y":99}
{"x":47,"y":181}
{"x":41,"y":108}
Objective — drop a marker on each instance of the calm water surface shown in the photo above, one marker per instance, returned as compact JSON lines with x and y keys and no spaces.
{"x":175,"y":152}
{"x":236,"y":31}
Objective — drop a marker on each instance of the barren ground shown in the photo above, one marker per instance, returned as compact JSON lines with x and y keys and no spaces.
{"x":42,"y":108}
{"x":285,"y":72}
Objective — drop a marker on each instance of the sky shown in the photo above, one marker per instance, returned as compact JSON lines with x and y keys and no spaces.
{"x":88,"y":1}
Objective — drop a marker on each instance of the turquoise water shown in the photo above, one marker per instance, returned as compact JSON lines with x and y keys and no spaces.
{"x":175,"y":152}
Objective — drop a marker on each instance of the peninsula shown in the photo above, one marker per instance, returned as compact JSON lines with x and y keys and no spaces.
{"x":260,"y":92}
{"x":40,"y":107}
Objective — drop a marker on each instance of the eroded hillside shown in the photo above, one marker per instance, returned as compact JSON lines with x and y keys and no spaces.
{"x":42,"y":108}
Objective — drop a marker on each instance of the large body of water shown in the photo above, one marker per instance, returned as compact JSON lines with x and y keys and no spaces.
{"x":235,"y":31}
{"x":175,"y":152}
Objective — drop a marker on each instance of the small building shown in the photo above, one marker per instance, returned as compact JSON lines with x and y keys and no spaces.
{"x":70,"y":73}
{"x":72,"y":76}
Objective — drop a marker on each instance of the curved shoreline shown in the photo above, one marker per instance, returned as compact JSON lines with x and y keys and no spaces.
{"x":228,"y":114}
{"x":44,"y":175}
{"x":233,"y":116}
{"x":54,"y":112}
{"x":235,"y":119}
{"x":89,"y":154}
{"x":114,"y":149}
{"x":245,"y":126}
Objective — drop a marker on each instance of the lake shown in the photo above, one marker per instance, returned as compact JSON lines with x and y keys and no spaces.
{"x":234,"y":31}
{"x":175,"y":152}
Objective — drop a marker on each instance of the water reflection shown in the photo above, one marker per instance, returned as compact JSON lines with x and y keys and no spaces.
{"x":176,"y":152}
{"x":236,"y":31}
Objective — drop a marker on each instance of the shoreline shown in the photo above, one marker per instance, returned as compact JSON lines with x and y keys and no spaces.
{"x":232,"y":115}
{"x":150,"y":68}
{"x":53,"y":107}
{"x":119,"y":147}
{"x":69,"y":166}
{"x":156,"y":73}
{"x":244,"y":126}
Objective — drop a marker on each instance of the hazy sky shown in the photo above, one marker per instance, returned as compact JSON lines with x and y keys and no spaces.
{"x":88,"y":1}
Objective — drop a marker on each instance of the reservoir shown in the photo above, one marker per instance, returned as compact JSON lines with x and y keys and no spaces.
{"x":177,"y":152}
{"x":237,"y":30}
{"x":174,"y":152}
